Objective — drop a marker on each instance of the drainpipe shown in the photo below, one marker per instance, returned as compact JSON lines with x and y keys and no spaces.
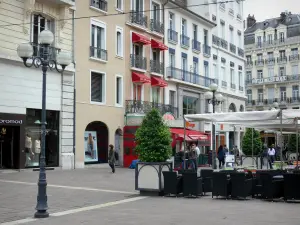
{"x":74,"y":97}
{"x":163,"y":12}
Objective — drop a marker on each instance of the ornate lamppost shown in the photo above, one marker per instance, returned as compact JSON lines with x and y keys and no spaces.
{"x":215,"y":99}
{"x":63,"y":59}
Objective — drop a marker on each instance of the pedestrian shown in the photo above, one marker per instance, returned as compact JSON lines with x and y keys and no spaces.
{"x":221,"y":156}
{"x":196,"y":152}
{"x":111,"y":158}
{"x":225,"y":149}
{"x":271,"y":154}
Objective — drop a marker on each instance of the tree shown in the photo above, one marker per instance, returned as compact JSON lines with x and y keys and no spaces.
{"x":247,"y":142}
{"x":292,"y":143}
{"x":153,"y":139}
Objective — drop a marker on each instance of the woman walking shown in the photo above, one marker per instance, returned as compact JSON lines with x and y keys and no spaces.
{"x":111,"y":158}
{"x":221,"y":157}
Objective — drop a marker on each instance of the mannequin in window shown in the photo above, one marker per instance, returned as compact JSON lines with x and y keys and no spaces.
{"x":37,"y":150}
{"x":91,"y":145}
{"x":28,"y":149}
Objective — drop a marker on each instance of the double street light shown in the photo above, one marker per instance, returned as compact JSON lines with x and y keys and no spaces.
{"x":215,"y":99}
{"x":63,"y":59}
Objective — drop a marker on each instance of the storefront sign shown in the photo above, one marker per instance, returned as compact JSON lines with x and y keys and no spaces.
{"x":11,"y":121}
{"x":90,"y":146}
{"x":269,"y":80}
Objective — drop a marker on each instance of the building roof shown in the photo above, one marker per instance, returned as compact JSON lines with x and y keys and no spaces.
{"x":291,"y":19}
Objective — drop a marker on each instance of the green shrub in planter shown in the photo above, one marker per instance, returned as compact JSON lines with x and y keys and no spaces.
{"x":247,"y":142}
{"x":153,"y":139}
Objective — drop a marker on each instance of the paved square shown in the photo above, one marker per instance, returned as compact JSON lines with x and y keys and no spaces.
{"x":95,"y":196}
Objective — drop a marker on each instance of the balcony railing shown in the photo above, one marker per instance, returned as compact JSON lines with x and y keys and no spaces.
{"x":157,"y":26}
{"x":282,"y":59}
{"x":139,"y":18}
{"x":241,"y":88}
{"x":38,"y":51}
{"x":294,"y":57}
{"x":98,"y":53}
{"x":275,"y":79}
{"x":223,"y":43}
{"x":100,"y":4}
{"x":143,"y":107}
{"x":196,"y":45}
{"x":188,"y":76}
{"x":294,"y":99}
{"x":233,"y":86}
{"x":241,"y":52}
{"x":173,"y":35}
{"x":224,"y":83}
{"x":274,"y":43}
{"x":185,"y":40}
{"x":137,"y":61}
{"x":270,"y":61}
{"x":259,"y":62}
{"x":207,"y":50}
{"x":271,"y":101}
{"x":157,"y":67}
{"x":232,"y":48}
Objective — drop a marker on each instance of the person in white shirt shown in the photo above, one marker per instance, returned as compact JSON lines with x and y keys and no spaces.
{"x":197,"y":154}
{"x":271,"y":154}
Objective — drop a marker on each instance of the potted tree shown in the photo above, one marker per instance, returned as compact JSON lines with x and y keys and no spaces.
{"x":153,"y":147}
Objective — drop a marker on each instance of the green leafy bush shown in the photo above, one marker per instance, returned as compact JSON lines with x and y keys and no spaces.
{"x":247,"y":142}
{"x":292,"y":143}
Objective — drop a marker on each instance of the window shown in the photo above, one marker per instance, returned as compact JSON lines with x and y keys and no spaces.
{"x":260,"y":93}
{"x":171,"y":21}
{"x":138,"y":6}
{"x":215,"y":71}
{"x":195,"y":32}
{"x":281,"y":71}
{"x":172,"y":59}
{"x":232,"y":76}
{"x":270,"y":38}
{"x":98,"y":40}
{"x":270,"y":56}
{"x":172,"y":98}
{"x":99,"y":4}
{"x":282,"y":54}
{"x":249,"y":75}
{"x":271,"y":95}
{"x":137,"y":92}
{"x":189,"y":105}
{"x":155,"y":94}
{"x":223,"y":74}
{"x":119,"y":42}
{"x":295,"y":70}
{"x":183,"y":27}
{"x":249,"y":59}
{"x":259,"y":57}
{"x":231,"y":35}
{"x":205,"y":38}
{"x":223,"y":30}
{"x":270,"y":72}
{"x":240,"y":40}
{"x":294,"y":51}
{"x":119,"y":5}
{"x":260,"y":74}
{"x":119,"y":90}
{"x":282,"y":93}
{"x":249,"y":95}
{"x":259,"y":41}
{"x":196,"y":67}
{"x":98,"y":87}
{"x":206,"y":69}
{"x":295,"y":92}
{"x":241,"y":79}
{"x":281,"y":37}
{"x":184,"y":65}
{"x":155,"y":12}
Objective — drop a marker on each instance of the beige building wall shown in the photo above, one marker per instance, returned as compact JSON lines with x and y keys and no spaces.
{"x":109,"y":113}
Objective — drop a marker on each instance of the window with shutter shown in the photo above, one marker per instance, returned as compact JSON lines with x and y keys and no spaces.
{"x":97,"y":87}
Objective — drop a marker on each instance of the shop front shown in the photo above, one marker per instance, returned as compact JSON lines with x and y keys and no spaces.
{"x":12,"y":131}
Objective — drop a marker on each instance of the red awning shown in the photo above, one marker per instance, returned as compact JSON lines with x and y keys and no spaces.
{"x":158,"y":45}
{"x":140,"y":78}
{"x":190,"y":134}
{"x":138,"y":38}
{"x":155,"y":81}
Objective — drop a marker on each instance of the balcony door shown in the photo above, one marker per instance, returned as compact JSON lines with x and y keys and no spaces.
{"x":155,"y":12}
{"x":295,"y":92}
{"x":271,"y":95}
{"x":137,"y":92}
{"x":155,"y":95}
{"x":155,"y":55}
{"x":184,"y":66}
{"x":138,"y":6}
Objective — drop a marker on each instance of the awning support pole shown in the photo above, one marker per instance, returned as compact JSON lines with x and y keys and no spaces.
{"x":184,"y":142}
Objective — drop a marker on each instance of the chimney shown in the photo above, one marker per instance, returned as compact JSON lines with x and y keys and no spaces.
{"x":250,"y":21}
{"x":283,"y":16}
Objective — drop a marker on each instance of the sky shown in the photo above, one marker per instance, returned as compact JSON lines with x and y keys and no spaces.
{"x":266,"y":9}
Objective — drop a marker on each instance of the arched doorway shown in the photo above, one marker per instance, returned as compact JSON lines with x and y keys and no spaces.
{"x":232,"y":107}
{"x":118,"y":138}
{"x":96,"y":142}
{"x":242,"y":108}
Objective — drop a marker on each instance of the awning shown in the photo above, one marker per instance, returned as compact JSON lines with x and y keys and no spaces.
{"x":159,"y":45}
{"x":155,"y":81}
{"x":190,"y":134}
{"x":140,"y":78}
{"x":138,"y":38}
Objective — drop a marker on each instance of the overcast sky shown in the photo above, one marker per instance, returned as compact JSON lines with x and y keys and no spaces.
{"x":265,"y":9}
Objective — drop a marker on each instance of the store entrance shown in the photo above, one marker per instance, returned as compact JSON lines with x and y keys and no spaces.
{"x":9,"y":147}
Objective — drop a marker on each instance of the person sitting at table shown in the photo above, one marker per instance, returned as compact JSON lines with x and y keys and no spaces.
{"x":271,"y":154}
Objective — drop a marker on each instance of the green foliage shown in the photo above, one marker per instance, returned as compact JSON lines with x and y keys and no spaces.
{"x":292,"y":143}
{"x":247,"y":142}
{"x":153,"y":139}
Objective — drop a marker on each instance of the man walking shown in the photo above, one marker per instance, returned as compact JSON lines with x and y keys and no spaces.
{"x":271,"y":154}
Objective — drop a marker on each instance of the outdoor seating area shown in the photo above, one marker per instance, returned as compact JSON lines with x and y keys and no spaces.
{"x":234,"y":184}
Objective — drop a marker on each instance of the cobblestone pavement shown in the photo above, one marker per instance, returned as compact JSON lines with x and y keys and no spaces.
{"x":18,"y":202}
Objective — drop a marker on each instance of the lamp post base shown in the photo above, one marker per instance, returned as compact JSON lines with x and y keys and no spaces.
{"x":41,"y":214}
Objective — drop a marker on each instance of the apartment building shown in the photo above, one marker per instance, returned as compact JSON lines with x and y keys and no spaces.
{"x":21,"y":87}
{"x":101,"y":62}
{"x":272,"y":62}
{"x":226,"y":62}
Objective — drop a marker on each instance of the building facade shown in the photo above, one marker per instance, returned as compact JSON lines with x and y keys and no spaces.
{"x":272,"y":62}
{"x":101,"y":58}
{"x":21,"y":87}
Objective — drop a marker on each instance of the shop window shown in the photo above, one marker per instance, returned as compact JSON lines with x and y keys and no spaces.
{"x":189,"y":105}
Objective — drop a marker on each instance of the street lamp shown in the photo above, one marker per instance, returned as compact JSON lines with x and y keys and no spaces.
{"x":215,"y":99}
{"x":25,"y":51}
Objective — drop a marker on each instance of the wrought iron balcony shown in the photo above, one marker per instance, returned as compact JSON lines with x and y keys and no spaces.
{"x":185,"y":41}
{"x":139,"y":18}
{"x":270,"y":61}
{"x":282,"y":59}
{"x":98,"y":53}
{"x":215,"y":40}
{"x":173,"y":36}
{"x":224,"y":83}
{"x":157,"y":67}
{"x":188,"y":76}
{"x":249,"y":64}
{"x":143,"y":107}
{"x":274,"y":43}
{"x":241,"y":52}
{"x":294,"y":99}
{"x":232,"y":48}
{"x":207,"y":50}
{"x":259,"y":62}
{"x":294,"y":57}
{"x":275,"y":79}
{"x":223,"y":43}
{"x":241,"y":88}
{"x":157,"y":26}
{"x":38,"y":51}
{"x":137,"y":61}
{"x":196,"y":46}
{"x":99,"y":4}
{"x":233,"y":86}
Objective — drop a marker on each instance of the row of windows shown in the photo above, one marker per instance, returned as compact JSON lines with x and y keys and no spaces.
{"x":281,"y":72}
{"x":102,"y":4}
{"x":270,"y":55}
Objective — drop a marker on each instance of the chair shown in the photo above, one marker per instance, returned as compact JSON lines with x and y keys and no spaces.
{"x":291,"y":186}
{"x":192,"y":185}
{"x":172,"y":183}
{"x":271,"y":188}
{"x":241,"y":186}
{"x":206,"y":175}
{"x":221,"y":184}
